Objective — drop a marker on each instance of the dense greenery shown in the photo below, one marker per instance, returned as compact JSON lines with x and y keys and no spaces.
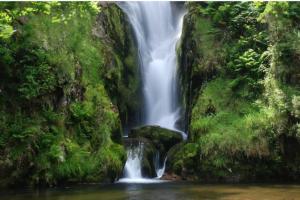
{"x":57,"y":120}
{"x":69,"y":79}
{"x":120,"y":72}
{"x":245,"y":91}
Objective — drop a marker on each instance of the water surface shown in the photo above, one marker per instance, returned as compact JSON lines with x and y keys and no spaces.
{"x":161,"y":191}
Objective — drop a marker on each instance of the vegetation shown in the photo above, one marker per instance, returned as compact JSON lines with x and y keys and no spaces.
{"x":69,"y":85}
{"x":163,"y":139}
{"x":245,"y":86}
{"x":58,"y":123}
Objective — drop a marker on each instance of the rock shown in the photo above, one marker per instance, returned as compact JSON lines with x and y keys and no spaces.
{"x":121,"y":73}
{"x":171,"y":177}
{"x":155,"y":140}
{"x":149,"y":151}
{"x":163,"y":139}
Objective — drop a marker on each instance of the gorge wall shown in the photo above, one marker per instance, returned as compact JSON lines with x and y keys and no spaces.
{"x":66,"y":85}
{"x":70,"y":87}
{"x":240,"y":77}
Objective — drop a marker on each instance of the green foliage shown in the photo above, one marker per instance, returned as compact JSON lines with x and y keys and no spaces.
{"x":57,"y":122}
{"x":244,"y":120}
{"x":120,"y":72}
{"x":283,"y":26}
{"x":6,"y":31}
{"x":81,"y":111}
{"x":236,"y":126}
{"x":37,"y":81}
{"x":183,"y":156}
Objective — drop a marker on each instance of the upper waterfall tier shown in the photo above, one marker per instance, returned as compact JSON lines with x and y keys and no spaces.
{"x":157,"y":27}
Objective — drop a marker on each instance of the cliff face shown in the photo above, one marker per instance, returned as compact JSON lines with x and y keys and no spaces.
{"x":198,"y":57}
{"x":69,"y":81}
{"x":121,"y":74}
{"x":238,"y":76}
{"x":66,"y":85}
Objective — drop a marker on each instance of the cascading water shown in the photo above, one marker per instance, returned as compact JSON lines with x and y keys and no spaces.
{"x":133,"y":165}
{"x":160,"y":169}
{"x":157,"y":27}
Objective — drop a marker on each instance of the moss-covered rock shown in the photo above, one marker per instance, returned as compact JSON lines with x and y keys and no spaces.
{"x":181,"y":160}
{"x":199,"y":55}
{"x":58,"y":123}
{"x":239,"y":86}
{"x":163,"y":139}
{"x":121,"y":70}
{"x":148,"y":154}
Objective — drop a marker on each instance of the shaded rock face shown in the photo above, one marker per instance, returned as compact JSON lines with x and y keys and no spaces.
{"x":156,"y":141}
{"x":148,"y":154}
{"x":121,"y":73}
{"x":194,"y":69}
{"x":163,"y":139}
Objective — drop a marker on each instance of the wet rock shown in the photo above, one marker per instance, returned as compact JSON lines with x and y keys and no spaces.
{"x":148,"y":153}
{"x":121,"y":73}
{"x":163,"y":139}
{"x":171,"y":177}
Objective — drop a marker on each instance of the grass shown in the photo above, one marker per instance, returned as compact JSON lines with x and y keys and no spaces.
{"x":237,"y":126}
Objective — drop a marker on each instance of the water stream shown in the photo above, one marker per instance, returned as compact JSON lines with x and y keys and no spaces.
{"x":157,"y":28}
{"x":160,"y":169}
{"x":133,"y":166}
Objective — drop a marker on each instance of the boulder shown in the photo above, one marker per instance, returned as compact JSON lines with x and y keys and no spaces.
{"x":148,"y":151}
{"x":163,"y":139}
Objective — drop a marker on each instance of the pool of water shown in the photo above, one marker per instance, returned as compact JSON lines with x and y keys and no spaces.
{"x":160,"y":191}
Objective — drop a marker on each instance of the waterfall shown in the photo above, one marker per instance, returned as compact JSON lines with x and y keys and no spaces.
{"x":157,"y":28}
{"x":158,"y":168}
{"x":133,"y":168}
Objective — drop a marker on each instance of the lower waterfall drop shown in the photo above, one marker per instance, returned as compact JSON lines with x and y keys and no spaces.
{"x":160,"y":169}
{"x":133,"y":169}
{"x":157,"y":28}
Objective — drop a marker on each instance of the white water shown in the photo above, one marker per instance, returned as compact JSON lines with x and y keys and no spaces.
{"x":133,"y":171}
{"x":158,"y":168}
{"x":157,"y":27}
{"x":133,"y":165}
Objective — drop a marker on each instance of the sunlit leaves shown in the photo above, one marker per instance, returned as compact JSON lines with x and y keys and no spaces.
{"x":6,"y":31}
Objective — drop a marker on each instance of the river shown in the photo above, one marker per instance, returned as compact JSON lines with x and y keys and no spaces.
{"x":161,"y":191}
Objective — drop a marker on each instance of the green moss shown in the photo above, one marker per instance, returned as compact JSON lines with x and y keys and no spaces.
{"x":65,"y":126}
{"x":238,"y":127}
{"x":121,"y":72}
{"x":243,"y":94}
{"x":163,"y":139}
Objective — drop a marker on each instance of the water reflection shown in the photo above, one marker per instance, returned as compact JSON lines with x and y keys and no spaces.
{"x":161,"y":191}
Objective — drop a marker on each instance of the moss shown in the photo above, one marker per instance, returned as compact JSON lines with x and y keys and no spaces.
{"x":232,"y":124}
{"x":183,"y":160}
{"x":200,"y":55}
{"x":239,"y":102}
{"x":64,"y":130}
{"x":163,"y":139}
{"x":148,"y":154}
{"x":121,"y":73}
